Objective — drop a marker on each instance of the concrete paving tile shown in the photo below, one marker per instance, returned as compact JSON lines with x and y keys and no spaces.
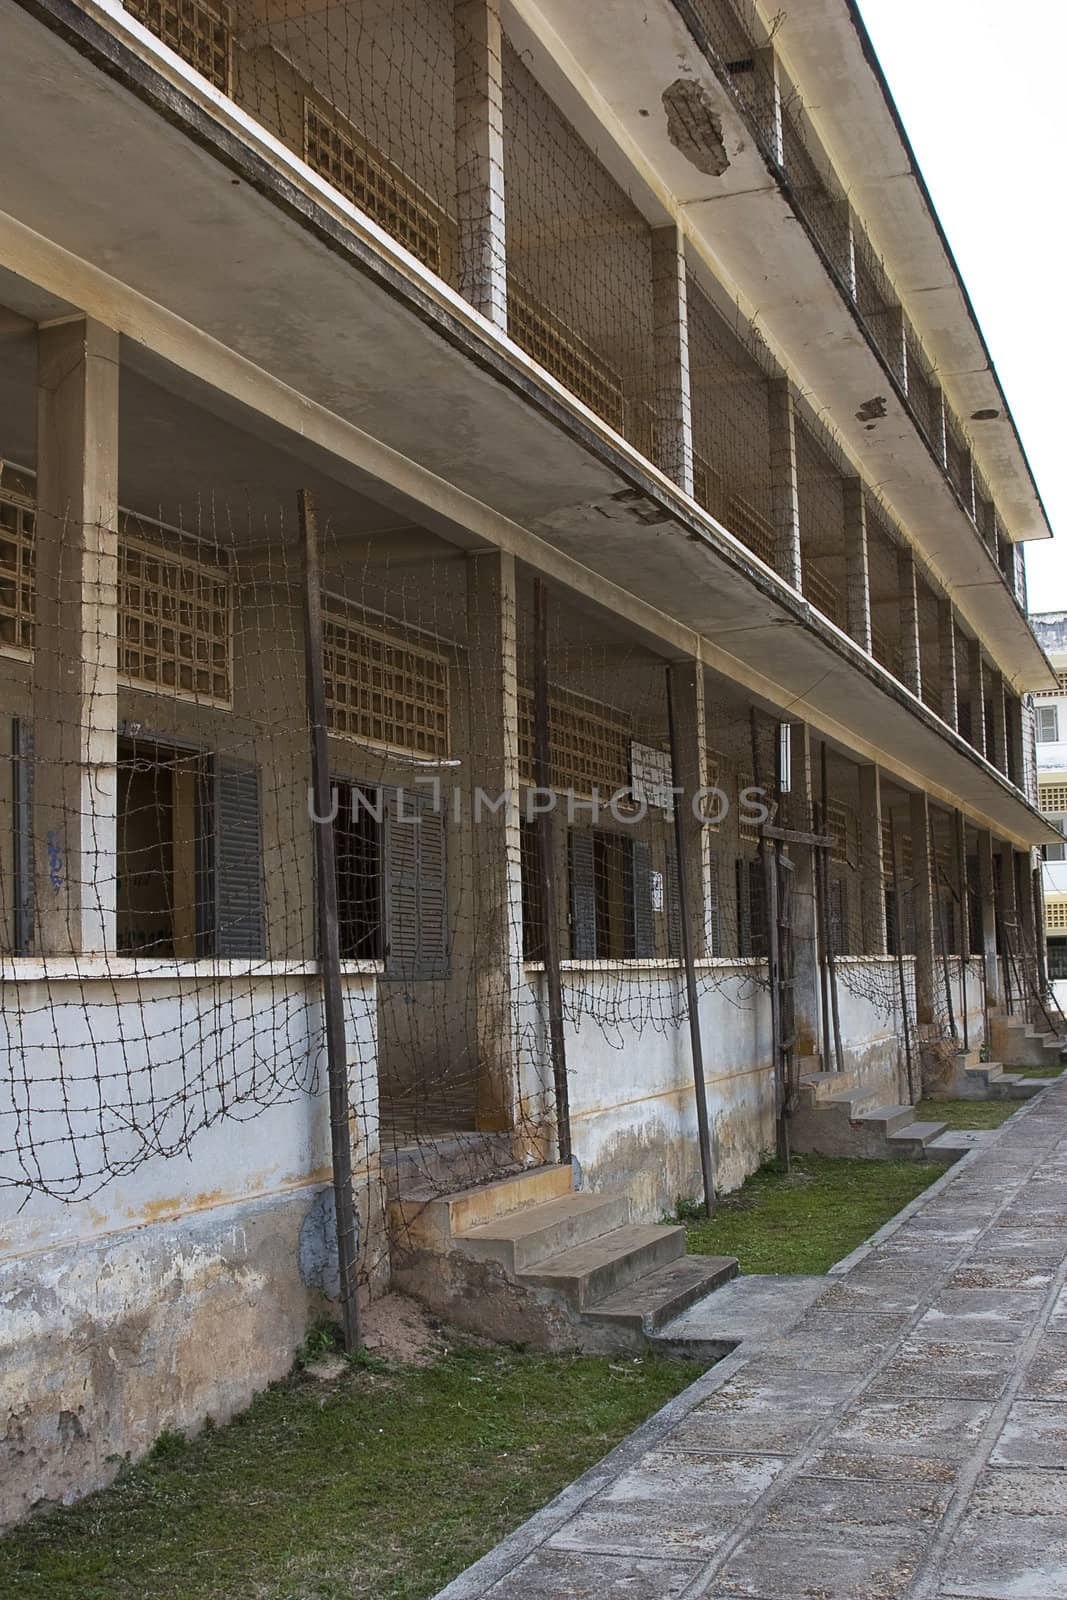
{"x":765,"y":1385}
{"x":915,"y":1425}
{"x":1040,"y":1493}
{"x":990,"y":1313}
{"x":751,"y":1307}
{"x":873,"y":1467}
{"x":1034,"y":1435}
{"x":670,"y":1505}
{"x":769,"y":1566}
{"x":944,"y":1228}
{"x":1000,"y":1275}
{"x":996,"y":1556}
{"x":847,"y":1295}
{"x":857,"y":1507}
{"x":575,"y":1575}
{"x":829,"y":1353}
{"x":963,"y":1372}
{"x":1059,"y":1310}
{"x":1036,"y":1247}
{"x":1046,"y":1376}
{"x":763,"y":1432}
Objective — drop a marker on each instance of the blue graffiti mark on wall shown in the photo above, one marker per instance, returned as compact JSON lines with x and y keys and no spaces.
{"x":55,"y":862}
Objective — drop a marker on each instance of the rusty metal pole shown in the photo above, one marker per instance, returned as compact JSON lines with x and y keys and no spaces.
{"x":707,"y":1166}
{"x":329,"y":942}
{"x":549,"y":914}
{"x":899,"y":942}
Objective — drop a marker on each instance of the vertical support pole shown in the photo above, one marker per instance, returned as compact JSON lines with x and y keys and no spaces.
{"x":959,"y":839}
{"x":898,"y":943}
{"x":827,"y":929}
{"x":549,"y":909}
{"x":976,"y":694}
{"x":1025,"y":942}
{"x":999,"y":753}
{"x":690,"y":765}
{"x":1009,"y":925}
{"x":988,"y":905}
{"x":670,"y":349}
{"x":910,"y":651}
{"x":872,"y":864}
{"x":785,"y":491}
{"x":75,"y":689}
{"x":480,"y":158}
{"x":1037,"y":897}
{"x":800,"y":808}
{"x":946,"y":649}
{"x":495,"y":840}
{"x":681,"y":813}
{"x":922,"y":891}
{"x":329,"y":942}
{"x":857,"y":565}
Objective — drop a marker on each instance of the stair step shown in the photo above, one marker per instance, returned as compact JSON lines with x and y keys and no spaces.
{"x":819,"y":1087}
{"x":651,"y":1302}
{"x":917,"y":1135}
{"x":589,"y":1273}
{"x":991,"y":1071}
{"x":955,"y":1144}
{"x":855,"y":1102}
{"x":890,"y":1118}
{"x":523,"y":1238}
{"x":424,"y":1219}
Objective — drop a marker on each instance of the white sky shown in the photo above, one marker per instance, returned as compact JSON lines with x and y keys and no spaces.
{"x":979,"y":86}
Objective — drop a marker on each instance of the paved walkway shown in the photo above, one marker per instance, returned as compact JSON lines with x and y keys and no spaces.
{"x":903,"y":1434}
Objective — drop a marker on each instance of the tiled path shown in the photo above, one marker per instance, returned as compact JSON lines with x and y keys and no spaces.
{"x":906,"y":1436}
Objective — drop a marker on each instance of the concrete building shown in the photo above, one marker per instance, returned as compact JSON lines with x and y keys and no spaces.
{"x":631,"y":374}
{"x":1050,"y":730}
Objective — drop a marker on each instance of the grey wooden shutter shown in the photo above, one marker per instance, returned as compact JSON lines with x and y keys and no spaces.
{"x":674,"y":905}
{"x":22,"y":823}
{"x":744,"y":909}
{"x":416,"y":909}
{"x":583,"y":895}
{"x":642,"y":938}
{"x":715,"y":909}
{"x":838,"y":916}
{"x":239,"y":921}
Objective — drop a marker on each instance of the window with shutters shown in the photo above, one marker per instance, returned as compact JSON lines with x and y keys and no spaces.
{"x":357,"y":833}
{"x":175,"y":620}
{"x":414,"y":887}
{"x":1057,"y":959}
{"x":382,"y":690}
{"x":611,"y":914}
{"x":1057,"y":852}
{"x":533,"y":911}
{"x":1047,"y":724}
{"x":751,"y":908}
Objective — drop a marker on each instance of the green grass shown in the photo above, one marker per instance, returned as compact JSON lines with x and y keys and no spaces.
{"x":381,"y":1485}
{"x":810,"y":1219}
{"x":1038,"y":1072}
{"x":967,"y":1113}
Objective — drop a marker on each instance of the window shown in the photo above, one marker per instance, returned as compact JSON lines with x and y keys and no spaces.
{"x":175,"y":621}
{"x":751,"y":907}
{"x":358,"y":857}
{"x":189,"y":868}
{"x":589,"y":744}
{"x":533,"y":910}
{"x":1057,"y":959}
{"x":198,"y":33}
{"x":384,"y":691}
{"x":16,"y":572}
{"x":1047,"y":722}
{"x":1056,"y":916}
{"x":391,"y":880}
{"x":1052,"y":798}
{"x":610,"y":896}
{"x":1056,"y":852}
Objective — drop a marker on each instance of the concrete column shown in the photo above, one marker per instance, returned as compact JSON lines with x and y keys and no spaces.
{"x":999,"y":753}
{"x":1015,"y":733}
{"x":76,"y":646}
{"x":670,"y":334}
{"x":946,"y":636}
{"x":687,"y":693}
{"x":976,"y":694}
{"x":911,"y":655}
{"x":480,"y":158}
{"x":857,"y":568}
{"x":922,"y":862}
{"x":785,"y":492}
{"x":987,"y":902}
{"x":872,"y":866}
{"x":799,"y":813}
{"x":1009,"y":920}
{"x":495,"y":843}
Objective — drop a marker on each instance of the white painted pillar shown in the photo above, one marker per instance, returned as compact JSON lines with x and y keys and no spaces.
{"x":670,"y":332}
{"x":687,"y":694}
{"x":872,"y":865}
{"x":495,"y":872}
{"x":785,"y":492}
{"x":946,"y":636}
{"x":910,"y":651}
{"x":857,"y":567}
{"x":480,"y":158}
{"x":76,"y":641}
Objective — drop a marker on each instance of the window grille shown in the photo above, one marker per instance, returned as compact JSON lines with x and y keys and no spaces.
{"x":746,"y":829}
{"x":17,"y":522}
{"x":1053,"y":797}
{"x":904,"y":858}
{"x":824,"y":592}
{"x":1061,"y":686}
{"x":716,"y":767}
{"x":339,"y":153}
{"x":566,"y":356}
{"x":590,"y":744}
{"x":841,"y":824}
{"x":175,"y":620}
{"x":197,"y":32}
{"x":381,"y":690}
{"x":1056,"y":915}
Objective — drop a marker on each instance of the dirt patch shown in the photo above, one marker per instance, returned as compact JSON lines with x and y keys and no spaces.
{"x":400,"y":1330}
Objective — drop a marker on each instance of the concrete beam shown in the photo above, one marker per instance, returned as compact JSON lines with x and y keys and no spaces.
{"x":483,"y":279}
{"x":75,"y":688}
{"x":672,"y":399}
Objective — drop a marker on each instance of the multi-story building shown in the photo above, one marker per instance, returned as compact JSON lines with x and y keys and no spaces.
{"x":1050,"y":732}
{"x":652,"y":442}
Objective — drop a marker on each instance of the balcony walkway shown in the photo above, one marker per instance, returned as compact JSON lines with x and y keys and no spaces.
{"x":904,"y":1434}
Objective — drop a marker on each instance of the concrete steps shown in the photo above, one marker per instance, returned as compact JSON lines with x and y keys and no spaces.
{"x":1016,"y":1041}
{"x":849,"y":1122}
{"x":529,"y":1259}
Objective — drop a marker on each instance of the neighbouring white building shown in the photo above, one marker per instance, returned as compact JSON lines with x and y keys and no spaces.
{"x":637,"y":393}
{"x":1050,"y":729}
